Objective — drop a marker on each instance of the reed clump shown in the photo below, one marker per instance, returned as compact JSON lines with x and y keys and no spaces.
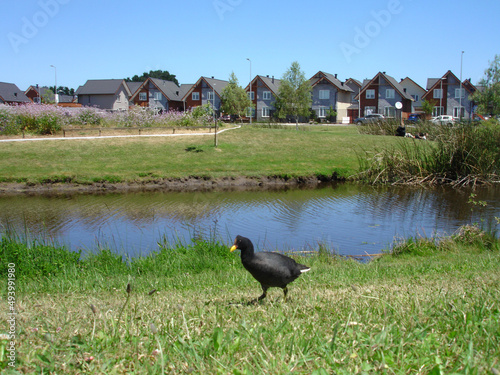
{"x":461,"y":155}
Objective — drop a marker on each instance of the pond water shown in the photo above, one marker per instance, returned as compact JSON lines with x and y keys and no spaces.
{"x":351,"y":219}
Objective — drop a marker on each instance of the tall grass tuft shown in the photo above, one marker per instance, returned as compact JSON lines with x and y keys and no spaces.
{"x":461,"y":155}
{"x":34,"y":259}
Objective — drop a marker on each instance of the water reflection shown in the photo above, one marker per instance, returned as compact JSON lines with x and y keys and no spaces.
{"x":353,"y":219}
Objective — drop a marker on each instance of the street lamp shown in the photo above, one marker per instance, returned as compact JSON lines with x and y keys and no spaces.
{"x":460,"y":105}
{"x":441,"y":98}
{"x":56,"y":97}
{"x":250,"y":89}
{"x":215,"y":120}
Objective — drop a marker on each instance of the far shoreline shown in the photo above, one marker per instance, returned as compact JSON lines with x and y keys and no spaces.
{"x":185,"y":184}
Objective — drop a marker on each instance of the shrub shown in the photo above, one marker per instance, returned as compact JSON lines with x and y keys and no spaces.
{"x":8,"y":124}
{"x":34,"y":118}
{"x":88,"y":116}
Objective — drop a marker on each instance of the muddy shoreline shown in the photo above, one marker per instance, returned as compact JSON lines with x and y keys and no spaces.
{"x":166,"y":184}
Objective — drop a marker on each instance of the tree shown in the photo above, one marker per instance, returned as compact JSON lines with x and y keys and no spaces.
{"x":161,"y":74}
{"x":488,"y":101}
{"x":294,"y":94}
{"x":427,"y":107}
{"x":62,"y":90}
{"x":331,"y":114}
{"x":234,"y":98}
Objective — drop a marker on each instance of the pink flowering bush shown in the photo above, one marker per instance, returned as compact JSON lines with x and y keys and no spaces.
{"x":88,"y":116}
{"x":8,"y":124}
{"x":34,"y":118}
{"x":49,"y":119}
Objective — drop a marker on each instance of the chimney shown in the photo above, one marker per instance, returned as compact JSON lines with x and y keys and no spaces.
{"x":335,"y":75}
{"x":212,"y":77}
{"x":268,"y":76}
{"x":273,"y":79}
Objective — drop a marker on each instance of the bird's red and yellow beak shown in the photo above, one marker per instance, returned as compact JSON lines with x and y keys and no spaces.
{"x":234,"y":247}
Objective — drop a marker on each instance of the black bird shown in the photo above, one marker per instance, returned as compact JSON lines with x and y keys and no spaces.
{"x":269,"y":269}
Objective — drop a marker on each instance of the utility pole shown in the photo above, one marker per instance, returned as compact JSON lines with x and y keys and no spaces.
{"x":460,"y":105}
{"x":56,"y":97}
{"x":251,"y":110}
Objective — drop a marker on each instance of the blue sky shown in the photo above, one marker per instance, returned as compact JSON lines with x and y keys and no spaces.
{"x":99,"y":39}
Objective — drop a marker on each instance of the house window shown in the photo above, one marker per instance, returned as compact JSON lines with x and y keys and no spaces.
{"x":158,"y":95}
{"x":389,"y":94}
{"x":322,"y":112}
{"x":458,"y":112}
{"x":210,"y":95}
{"x":143,"y":96}
{"x":370,"y":94}
{"x":438,"y":93}
{"x":390,"y":112}
{"x":265,"y":111}
{"x":369,"y":110}
{"x":118,"y":98}
{"x":195,"y":96}
{"x":266,"y":95}
{"x":415,"y":98}
{"x":251,"y":95}
{"x":437,"y":111}
{"x":324,"y":94}
{"x":459,"y":93}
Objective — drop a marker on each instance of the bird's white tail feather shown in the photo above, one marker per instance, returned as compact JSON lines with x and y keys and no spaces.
{"x":305,"y":270}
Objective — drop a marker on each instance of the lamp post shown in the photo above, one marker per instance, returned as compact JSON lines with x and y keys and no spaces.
{"x":56,"y":97}
{"x":250,"y":89}
{"x":359,"y":102}
{"x":460,"y":105}
{"x":215,"y":120}
{"x":441,"y":98}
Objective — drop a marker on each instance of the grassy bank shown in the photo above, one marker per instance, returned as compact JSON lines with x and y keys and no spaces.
{"x":431,"y":307}
{"x":248,"y":152}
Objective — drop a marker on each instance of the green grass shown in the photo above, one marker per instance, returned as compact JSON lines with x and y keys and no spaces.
{"x":432,"y":307}
{"x":248,"y":152}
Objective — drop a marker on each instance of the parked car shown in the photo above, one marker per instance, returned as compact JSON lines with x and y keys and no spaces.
{"x":229,"y":118}
{"x":369,"y":119}
{"x":443,"y":120}
{"x":415,"y":117}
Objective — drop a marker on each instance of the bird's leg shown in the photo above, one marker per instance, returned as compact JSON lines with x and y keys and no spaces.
{"x":264,"y":293}
{"x":285,"y":291}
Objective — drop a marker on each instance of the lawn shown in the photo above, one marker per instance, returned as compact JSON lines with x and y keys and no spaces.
{"x":429,"y":310}
{"x":248,"y":152}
